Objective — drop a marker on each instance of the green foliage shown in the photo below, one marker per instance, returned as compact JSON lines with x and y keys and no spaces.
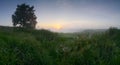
{"x":24,"y":16}
{"x":19,"y":46}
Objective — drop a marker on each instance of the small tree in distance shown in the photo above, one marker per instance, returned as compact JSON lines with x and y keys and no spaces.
{"x":24,"y":16}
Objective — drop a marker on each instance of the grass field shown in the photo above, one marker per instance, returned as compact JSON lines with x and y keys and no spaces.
{"x":20,"y":46}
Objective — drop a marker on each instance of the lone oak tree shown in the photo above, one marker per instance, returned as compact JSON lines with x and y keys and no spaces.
{"x":24,"y":16}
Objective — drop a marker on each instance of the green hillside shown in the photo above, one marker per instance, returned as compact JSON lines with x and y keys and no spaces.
{"x":19,"y":46}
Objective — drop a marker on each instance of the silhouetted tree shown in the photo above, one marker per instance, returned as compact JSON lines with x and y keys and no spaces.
{"x":24,"y":16}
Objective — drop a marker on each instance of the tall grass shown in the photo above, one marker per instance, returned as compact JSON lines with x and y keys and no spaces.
{"x":20,"y":46}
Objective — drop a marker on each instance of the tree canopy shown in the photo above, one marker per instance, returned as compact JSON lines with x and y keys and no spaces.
{"x":24,"y":16}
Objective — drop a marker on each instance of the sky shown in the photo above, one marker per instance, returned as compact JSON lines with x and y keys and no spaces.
{"x":67,"y":15}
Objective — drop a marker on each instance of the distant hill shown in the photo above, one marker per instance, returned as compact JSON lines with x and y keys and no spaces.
{"x":94,"y":31}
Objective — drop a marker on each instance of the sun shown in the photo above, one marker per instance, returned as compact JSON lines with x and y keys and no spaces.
{"x":51,"y":26}
{"x":57,"y":26}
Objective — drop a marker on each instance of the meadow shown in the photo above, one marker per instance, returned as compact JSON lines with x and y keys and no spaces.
{"x":19,"y":46}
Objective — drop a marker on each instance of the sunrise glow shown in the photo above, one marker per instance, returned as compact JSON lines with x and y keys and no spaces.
{"x":57,"y":26}
{"x":67,"y":15}
{"x":52,"y":26}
